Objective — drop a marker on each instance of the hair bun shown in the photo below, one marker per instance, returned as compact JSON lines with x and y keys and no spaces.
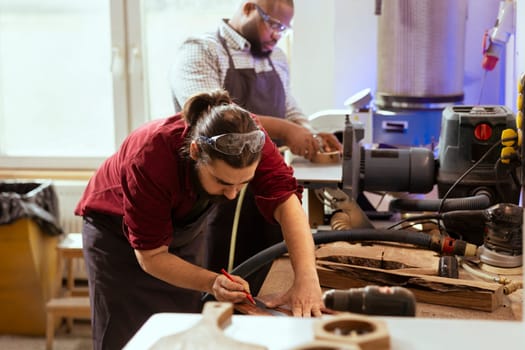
{"x":202,"y":103}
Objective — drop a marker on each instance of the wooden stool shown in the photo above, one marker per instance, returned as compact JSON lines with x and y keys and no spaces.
{"x":71,"y":307}
{"x":75,"y":302}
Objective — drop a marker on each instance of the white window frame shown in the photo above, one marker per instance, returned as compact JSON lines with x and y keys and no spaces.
{"x":128,"y":90}
{"x":130,"y":96}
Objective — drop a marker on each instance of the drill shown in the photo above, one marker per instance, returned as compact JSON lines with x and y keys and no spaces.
{"x":372,"y":300}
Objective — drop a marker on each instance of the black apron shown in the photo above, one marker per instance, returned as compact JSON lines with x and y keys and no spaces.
{"x":122,"y":295}
{"x":260,"y":93}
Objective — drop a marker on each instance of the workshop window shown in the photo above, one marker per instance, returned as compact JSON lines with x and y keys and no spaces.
{"x":55,"y":86}
{"x":77,"y":76}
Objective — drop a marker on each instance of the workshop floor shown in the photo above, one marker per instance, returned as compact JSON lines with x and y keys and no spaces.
{"x":78,"y":339}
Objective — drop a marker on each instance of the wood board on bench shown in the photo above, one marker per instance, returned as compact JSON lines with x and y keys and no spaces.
{"x":342,"y":265}
{"x":280,"y":278}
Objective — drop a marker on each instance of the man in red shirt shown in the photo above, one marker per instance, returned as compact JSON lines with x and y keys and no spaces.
{"x":243,"y":58}
{"x":145,"y":207}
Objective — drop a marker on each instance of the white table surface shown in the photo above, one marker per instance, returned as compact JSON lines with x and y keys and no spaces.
{"x":306,"y":171}
{"x":284,"y":333}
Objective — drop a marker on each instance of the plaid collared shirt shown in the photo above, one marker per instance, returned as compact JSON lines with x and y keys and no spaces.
{"x":202,"y":62}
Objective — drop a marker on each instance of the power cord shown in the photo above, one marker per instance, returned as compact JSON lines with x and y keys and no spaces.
{"x":235,"y":226}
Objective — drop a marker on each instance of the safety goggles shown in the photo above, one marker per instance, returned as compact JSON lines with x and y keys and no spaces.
{"x":233,"y":143}
{"x":273,"y":23}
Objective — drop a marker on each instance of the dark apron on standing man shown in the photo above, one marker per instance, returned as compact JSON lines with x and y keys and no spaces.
{"x":123,"y":296}
{"x":260,"y":93}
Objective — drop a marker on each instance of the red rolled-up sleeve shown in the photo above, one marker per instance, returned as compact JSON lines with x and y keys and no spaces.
{"x":273,"y":182}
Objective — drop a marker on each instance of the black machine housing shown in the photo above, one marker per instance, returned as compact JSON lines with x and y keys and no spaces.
{"x":467,"y":132}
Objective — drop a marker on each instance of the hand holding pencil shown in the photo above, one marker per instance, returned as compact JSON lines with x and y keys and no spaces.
{"x":230,"y":277}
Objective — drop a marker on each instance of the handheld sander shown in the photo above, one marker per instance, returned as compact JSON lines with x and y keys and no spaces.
{"x":501,"y":224}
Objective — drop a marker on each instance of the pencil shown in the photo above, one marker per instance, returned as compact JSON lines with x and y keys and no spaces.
{"x":228,"y":276}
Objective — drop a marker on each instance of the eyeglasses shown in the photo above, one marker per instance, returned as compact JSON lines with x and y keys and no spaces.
{"x":233,"y":144}
{"x":273,"y":23}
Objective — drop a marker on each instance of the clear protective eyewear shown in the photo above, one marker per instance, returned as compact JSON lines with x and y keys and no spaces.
{"x":273,"y":23}
{"x":233,"y":143}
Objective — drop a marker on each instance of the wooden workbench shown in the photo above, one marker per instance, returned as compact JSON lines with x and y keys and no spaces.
{"x":510,"y":306}
{"x":318,"y":175}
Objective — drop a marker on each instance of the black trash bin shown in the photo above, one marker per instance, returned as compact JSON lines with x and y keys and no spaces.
{"x":29,"y":235}
{"x":35,"y":200}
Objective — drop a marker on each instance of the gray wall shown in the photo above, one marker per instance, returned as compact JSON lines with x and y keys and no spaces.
{"x":520,"y":39}
{"x":335,"y":54}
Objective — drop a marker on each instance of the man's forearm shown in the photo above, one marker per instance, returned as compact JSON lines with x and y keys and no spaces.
{"x":174,"y":270}
{"x":297,"y":135}
{"x":277,"y":128}
{"x":299,"y":240}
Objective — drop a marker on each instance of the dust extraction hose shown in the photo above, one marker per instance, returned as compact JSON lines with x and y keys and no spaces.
{"x":480,"y":201}
{"x":432,"y":242}
{"x":422,"y":240}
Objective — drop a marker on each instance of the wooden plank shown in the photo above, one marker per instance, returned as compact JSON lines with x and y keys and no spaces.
{"x":477,"y":295}
{"x":385,"y":255}
{"x":279,"y":279}
{"x":260,"y":309}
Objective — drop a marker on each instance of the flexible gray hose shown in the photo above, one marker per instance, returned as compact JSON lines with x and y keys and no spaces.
{"x":266,"y":256}
{"x":480,"y":201}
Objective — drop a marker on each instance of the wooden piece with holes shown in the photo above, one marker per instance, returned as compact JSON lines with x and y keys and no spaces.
{"x":326,"y":345}
{"x":349,"y":332}
{"x":365,"y":332}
